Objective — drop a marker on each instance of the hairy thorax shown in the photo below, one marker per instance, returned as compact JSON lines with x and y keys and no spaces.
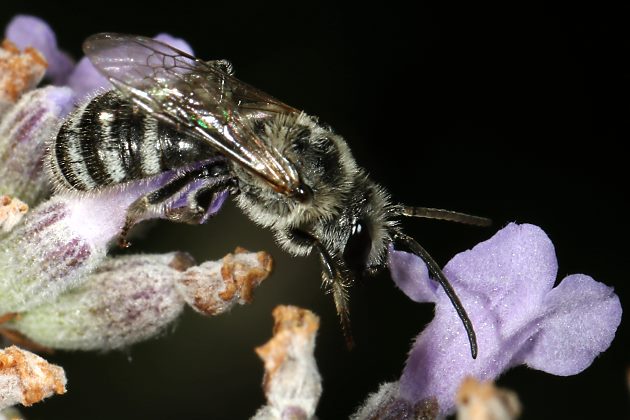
{"x":323,"y":161}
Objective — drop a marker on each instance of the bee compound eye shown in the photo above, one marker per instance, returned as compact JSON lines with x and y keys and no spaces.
{"x":358,"y":247}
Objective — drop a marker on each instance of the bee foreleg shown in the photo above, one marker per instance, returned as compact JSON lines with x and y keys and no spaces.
{"x":335,"y":279}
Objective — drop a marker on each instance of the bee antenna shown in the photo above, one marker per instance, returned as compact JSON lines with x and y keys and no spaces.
{"x":439,"y":276}
{"x":448,"y":215}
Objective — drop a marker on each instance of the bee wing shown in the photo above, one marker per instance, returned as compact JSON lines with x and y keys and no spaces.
{"x":199,"y":98}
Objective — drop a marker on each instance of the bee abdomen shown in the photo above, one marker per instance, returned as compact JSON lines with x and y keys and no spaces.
{"x":107,"y":142}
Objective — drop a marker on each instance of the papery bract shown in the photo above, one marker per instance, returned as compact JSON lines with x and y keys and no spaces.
{"x":30,"y":31}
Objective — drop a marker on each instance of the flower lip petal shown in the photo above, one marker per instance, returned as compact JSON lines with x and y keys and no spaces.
{"x":580,"y":320}
{"x":518,"y":263}
{"x":411,"y":275}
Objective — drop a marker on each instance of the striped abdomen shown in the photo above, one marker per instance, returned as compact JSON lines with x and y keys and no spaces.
{"x":108,"y":141}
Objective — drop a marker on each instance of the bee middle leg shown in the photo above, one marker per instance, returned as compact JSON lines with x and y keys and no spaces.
{"x":190,"y":197}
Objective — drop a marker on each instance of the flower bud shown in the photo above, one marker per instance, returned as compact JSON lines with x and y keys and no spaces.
{"x":125,"y":300}
{"x":49,"y":252}
{"x":133,"y":298}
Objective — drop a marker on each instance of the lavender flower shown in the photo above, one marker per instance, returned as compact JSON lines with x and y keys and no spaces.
{"x":506,"y":284}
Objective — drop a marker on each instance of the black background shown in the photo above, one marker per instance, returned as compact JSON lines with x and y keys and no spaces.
{"x":513,"y":113}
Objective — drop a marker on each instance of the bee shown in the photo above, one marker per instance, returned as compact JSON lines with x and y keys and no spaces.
{"x":193,"y":134}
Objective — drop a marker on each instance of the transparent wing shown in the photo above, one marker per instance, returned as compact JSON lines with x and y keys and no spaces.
{"x":197,"y":97}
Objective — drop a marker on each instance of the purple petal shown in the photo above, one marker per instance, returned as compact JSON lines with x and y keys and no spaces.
{"x":502,"y":283}
{"x":513,"y":270}
{"x":29,"y":31}
{"x":411,"y":275}
{"x":440,"y":358}
{"x":85,"y":80}
{"x":580,"y":320}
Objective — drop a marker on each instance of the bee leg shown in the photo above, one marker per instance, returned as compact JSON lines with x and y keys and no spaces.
{"x":190,"y":197}
{"x":135,"y":214}
{"x":333,"y":279}
{"x":204,"y":202}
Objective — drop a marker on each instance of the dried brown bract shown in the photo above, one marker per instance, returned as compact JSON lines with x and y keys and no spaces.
{"x":26,"y":378}
{"x":292,"y":382}
{"x":212,"y":288}
{"x":11,"y":212}
{"x":20,"y":71}
{"x":483,"y":401}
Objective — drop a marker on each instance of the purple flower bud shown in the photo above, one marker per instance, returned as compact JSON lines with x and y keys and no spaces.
{"x":48,"y":253}
{"x":506,"y":286}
